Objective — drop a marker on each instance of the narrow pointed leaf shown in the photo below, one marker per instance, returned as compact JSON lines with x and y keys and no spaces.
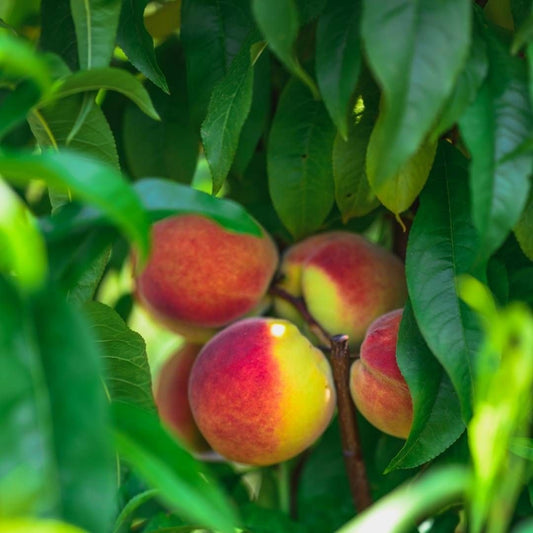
{"x":229,"y":106}
{"x":497,"y":123}
{"x":279,"y":22}
{"x":524,"y":229}
{"x":338,"y":58}
{"x":55,"y":444}
{"x":137,"y":43}
{"x":212,"y":33}
{"x":126,"y":370}
{"x":443,"y":243}
{"x":16,"y":105}
{"x":401,"y":39}
{"x":300,"y":172}
{"x":401,"y":189}
{"x":437,"y":421}
{"x":88,"y":179}
{"x":183,"y":483}
{"x":112,"y":79}
{"x":96,"y":23}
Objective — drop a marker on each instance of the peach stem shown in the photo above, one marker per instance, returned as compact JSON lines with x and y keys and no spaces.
{"x":340,"y":363}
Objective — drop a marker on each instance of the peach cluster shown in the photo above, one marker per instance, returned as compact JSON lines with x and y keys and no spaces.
{"x":252,"y":388}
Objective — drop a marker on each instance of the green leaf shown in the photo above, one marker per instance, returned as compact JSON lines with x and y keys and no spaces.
{"x":88,"y":179}
{"x":22,"y":250}
{"x":56,"y":14}
{"x":400,"y":40}
{"x":467,"y":86}
{"x":16,"y":104}
{"x":228,"y":108}
{"x":279,"y":22}
{"x":184,"y":484}
{"x":162,"y":198}
{"x":353,"y":193}
{"x":212,"y":33}
{"x":299,"y":164}
{"x":256,"y":122}
{"x":443,"y":243}
{"x":96,"y":23}
{"x":18,"y":60}
{"x":524,"y":229}
{"x":496,"y":124}
{"x":338,"y":58}
{"x":113,"y":79}
{"x":166,"y":148}
{"x":52,"y":126}
{"x":137,"y":43}
{"x":56,"y":456}
{"x":402,"y":188}
{"x":127,"y":374}
{"x":437,"y":421}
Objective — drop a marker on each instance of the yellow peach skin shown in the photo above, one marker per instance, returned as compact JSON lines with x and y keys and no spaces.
{"x":377,"y":386}
{"x":201,"y":276}
{"x":260,"y":392}
{"x":345,"y":280}
{"x":172,"y":397}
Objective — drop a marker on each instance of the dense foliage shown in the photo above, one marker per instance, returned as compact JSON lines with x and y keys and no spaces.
{"x":409,"y":122}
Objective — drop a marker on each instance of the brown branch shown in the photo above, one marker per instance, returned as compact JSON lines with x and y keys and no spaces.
{"x":340,"y":363}
{"x":351,"y":447}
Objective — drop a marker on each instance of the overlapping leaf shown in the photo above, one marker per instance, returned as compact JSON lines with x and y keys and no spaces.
{"x":300,"y":172}
{"x":443,"y":243}
{"x":401,"y":40}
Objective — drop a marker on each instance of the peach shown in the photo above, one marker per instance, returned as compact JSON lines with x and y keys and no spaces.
{"x":260,"y":392}
{"x":201,"y":276}
{"x":171,"y":394}
{"x":377,"y":386}
{"x":345,"y":280}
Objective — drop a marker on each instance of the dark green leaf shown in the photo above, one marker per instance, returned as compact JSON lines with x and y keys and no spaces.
{"x":299,"y":163}
{"x":228,"y":108}
{"x":437,"y":422}
{"x":168,"y":148}
{"x":279,"y":22}
{"x":443,"y":244}
{"x":255,"y":123}
{"x":96,"y":23}
{"x":183,"y":483}
{"x":212,"y":34}
{"x":53,"y":125}
{"x":401,"y":39}
{"x":524,"y":229}
{"x":126,"y":516}
{"x":497,"y":123}
{"x":127,"y":374}
{"x":520,"y":9}
{"x":109,"y":78}
{"x":56,"y":452}
{"x":15,"y":105}
{"x":56,"y":14}
{"x":467,"y":86}
{"x":261,"y":520}
{"x":88,"y":179}
{"x":137,"y":43}
{"x":309,"y":9}
{"x":338,"y":58}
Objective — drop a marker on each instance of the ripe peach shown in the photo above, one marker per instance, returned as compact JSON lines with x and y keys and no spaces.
{"x":345,"y":280}
{"x":378,"y":388}
{"x":260,"y":392}
{"x":201,"y":276}
{"x":171,"y":394}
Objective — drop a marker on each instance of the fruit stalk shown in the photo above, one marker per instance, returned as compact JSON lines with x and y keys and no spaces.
{"x":351,"y":448}
{"x":340,"y":363}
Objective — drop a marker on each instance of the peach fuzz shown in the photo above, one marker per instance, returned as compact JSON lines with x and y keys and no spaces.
{"x":377,"y":386}
{"x":348,"y":282}
{"x":171,"y":394}
{"x":201,"y":276}
{"x":260,"y":392}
